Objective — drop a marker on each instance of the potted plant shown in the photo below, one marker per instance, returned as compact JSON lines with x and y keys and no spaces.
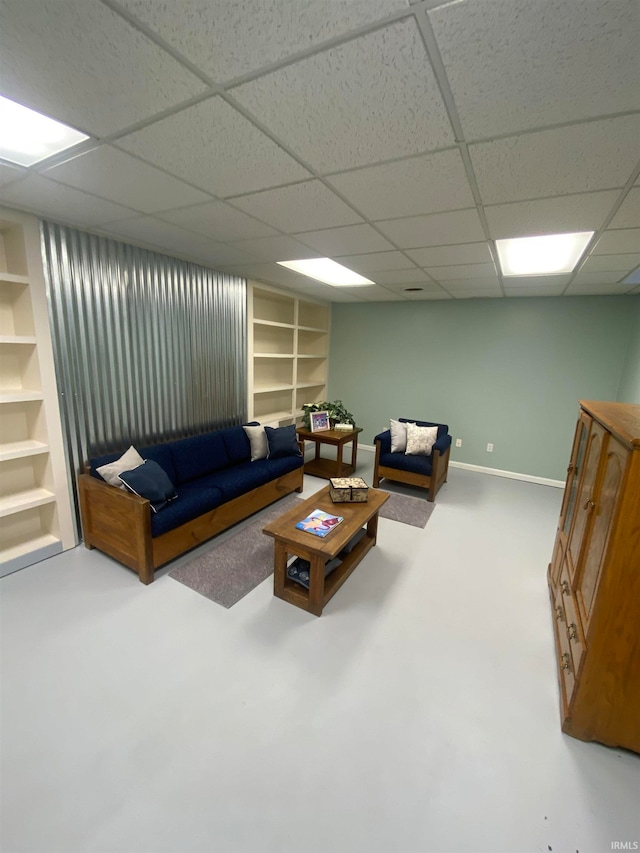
{"x":337,"y":413}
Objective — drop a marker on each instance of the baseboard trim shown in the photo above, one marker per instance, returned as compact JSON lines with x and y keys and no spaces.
{"x":495,"y":472}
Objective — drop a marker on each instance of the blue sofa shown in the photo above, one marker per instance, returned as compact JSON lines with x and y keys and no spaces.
{"x":216,"y":483}
{"x":426,"y":472}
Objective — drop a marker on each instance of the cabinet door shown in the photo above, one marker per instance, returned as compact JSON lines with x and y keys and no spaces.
{"x":584,"y":505}
{"x":606,"y":502}
{"x":573,"y":474}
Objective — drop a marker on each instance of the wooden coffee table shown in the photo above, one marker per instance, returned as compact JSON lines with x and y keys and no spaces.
{"x":319,"y":466}
{"x":291,"y":541}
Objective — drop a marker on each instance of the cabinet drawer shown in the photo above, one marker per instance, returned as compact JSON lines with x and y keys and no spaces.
{"x":568,"y":619}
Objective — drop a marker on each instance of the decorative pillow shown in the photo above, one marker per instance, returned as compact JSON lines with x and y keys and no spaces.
{"x":150,"y":481}
{"x":398,"y":436}
{"x":282,"y":441}
{"x":110,"y":473}
{"x":258,"y":441}
{"x":420,"y":440}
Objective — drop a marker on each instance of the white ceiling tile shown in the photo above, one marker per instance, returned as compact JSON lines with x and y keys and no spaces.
{"x":548,"y":290}
{"x":60,"y":203}
{"x":335,"y":242}
{"x":501,"y":58}
{"x":560,"y":215}
{"x":628,"y":215}
{"x":398,"y":276}
{"x":478,"y":294}
{"x":117,"y":176}
{"x":10,"y":173}
{"x":79,"y":62}
{"x":534,"y":281}
{"x":458,"y":226}
{"x":618,"y":242}
{"x":151,"y":231}
{"x":479,"y":285}
{"x":426,"y":184}
{"x":582,"y":289}
{"x":427,"y":296}
{"x":214,"y":147}
{"x":440,"y":256}
{"x":218,"y":221}
{"x":368,"y":294}
{"x":374,"y":98}
{"x":375,"y":261}
{"x":276,"y":249}
{"x":227,"y":38}
{"x":467,"y":271}
{"x":609,"y":263}
{"x":579,"y":158}
{"x":598,"y":278}
{"x":301,"y":207}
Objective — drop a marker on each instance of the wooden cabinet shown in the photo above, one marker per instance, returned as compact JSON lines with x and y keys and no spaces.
{"x":288,"y":354}
{"x":594,"y":579}
{"x":35,"y":505}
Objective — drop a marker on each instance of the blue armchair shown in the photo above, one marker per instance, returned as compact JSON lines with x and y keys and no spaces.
{"x":427,"y":472}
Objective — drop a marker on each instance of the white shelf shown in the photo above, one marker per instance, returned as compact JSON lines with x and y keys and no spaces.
{"x":13,"y":278}
{"x":269,"y":389}
{"x":18,"y":339}
{"x":20,"y":396}
{"x":20,"y":501}
{"x":19,"y":449}
{"x":273,"y":355}
{"x":259,"y":322}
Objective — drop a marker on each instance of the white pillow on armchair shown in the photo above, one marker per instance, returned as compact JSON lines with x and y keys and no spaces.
{"x":398,"y":436}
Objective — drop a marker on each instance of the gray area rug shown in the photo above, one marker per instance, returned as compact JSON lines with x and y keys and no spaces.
{"x":230,"y":569}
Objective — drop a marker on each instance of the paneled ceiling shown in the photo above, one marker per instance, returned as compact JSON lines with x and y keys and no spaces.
{"x":401,"y":139}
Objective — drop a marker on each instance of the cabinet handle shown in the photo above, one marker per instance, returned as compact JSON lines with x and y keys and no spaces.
{"x":572,"y":631}
{"x":570,"y":468}
{"x":559,"y":613}
{"x":564,"y":586}
{"x":566,"y":661}
{"x":589,"y":505}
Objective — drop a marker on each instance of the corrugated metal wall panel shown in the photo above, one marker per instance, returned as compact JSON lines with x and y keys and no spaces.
{"x":147,"y":347}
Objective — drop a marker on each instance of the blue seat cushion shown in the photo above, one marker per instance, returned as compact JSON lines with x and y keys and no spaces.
{"x":198,"y":455}
{"x":240,"y":479}
{"x":416,"y":464}
{"x":278,"y":467}
{"x":194,"y":499}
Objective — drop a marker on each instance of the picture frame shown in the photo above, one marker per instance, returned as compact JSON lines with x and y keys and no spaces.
{"x":319,"y":421}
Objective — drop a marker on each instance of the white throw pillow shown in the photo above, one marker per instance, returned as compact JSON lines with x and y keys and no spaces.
{"x":420,"y":440}
{"x":127,"y":462}
{"x":398,"y":436}
{"x":258,"y":441}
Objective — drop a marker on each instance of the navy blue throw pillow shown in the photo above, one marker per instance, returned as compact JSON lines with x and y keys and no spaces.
{"x":282,"y":441}
{"x":150,"y":481}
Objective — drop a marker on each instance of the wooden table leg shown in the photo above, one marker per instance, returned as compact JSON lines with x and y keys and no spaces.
{"x":372,"y":528}
{"x":339,"y":449}
{"x":316,"y":585}
{"x":354,"y":452}
{"x":279,"y":567}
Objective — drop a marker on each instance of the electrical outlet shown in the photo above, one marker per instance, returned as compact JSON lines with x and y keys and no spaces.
{"x":458,"y":442}
{"x":490,"y":447}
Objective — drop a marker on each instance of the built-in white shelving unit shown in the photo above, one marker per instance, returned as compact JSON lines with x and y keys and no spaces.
{"x":288,"y":354}
{"x":35,"y":504}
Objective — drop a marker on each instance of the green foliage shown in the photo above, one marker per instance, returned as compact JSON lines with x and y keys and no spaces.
{"x":337,"y":412}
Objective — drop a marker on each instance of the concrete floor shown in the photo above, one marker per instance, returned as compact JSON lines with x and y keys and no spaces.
{"x":419,"y":713}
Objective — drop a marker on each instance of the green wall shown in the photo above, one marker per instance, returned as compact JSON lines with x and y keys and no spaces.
{"x":506,"y":371}
{"x":629,"y":391}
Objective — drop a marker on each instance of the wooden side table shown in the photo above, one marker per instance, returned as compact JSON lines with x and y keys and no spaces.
{"x":320,"y":466}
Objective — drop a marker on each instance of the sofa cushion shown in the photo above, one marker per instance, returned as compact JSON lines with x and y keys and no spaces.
{"x":236,"y":444}
{"x":110,"y":471}
{"x":420,"y":440}
{"x":278,"y":467}
{"x":161,"y":453}
{"x":282,"y":442}
{"x":195,"y":499}
{"x":417,"y":464}
{"x":151,"y":482}
{"x":198,"y":455}
{"x":240,"y":479}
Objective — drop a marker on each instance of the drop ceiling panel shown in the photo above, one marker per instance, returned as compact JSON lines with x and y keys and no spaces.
{"x":79,"y":62}
{"x":119,"y":177}
{"x":585,"y":157}
{"x":428,"y":287}
{"x":218,"y":221}
{"x":618,"y":242}
{"x":459,"y":226}
{"x":628,"y":215}
{"x":535,"y":281}
{"x":607,"y":263}
{"x":151,"y":231}
{"x":374,"y":261}
{"x":499,"y":57}
{"x":399,"y":276}
{"x":439,"y":256}
{"x":10,"y":173}
{"x":214,"y":147}
{"x":598,"y":278}
{"x":585,"y":212}
{"x":335,"y":242}
{"x":278,"y":248}
{"x":547,"y":290}
{"x":426,"y":184}
{"x":227,"y":38}
{"x":374,"y":98}
{"x":466,"y":271}
{"x":583,"y":289}
{"x":301,"y":207}
{"x":486,"y":286}
{"x":62,"y":204}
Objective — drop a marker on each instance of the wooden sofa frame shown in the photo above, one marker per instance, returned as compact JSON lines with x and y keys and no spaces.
{"x":432,"y":482}
{"x":119,"y":523}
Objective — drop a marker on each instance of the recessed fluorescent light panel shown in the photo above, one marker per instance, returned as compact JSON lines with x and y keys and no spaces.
{"x":551,"y":254}
{"x":328,"y":271}
{"x":27,"y":137}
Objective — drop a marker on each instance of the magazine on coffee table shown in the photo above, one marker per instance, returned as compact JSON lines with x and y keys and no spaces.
{"x":319,"y":522}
